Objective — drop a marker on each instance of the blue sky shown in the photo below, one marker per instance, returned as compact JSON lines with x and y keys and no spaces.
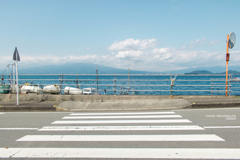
{"x":138,"y":34}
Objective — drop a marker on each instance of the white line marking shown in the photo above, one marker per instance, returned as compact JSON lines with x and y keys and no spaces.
{"x":122,"y":121}
{"x":174,"y":137}
{"x":119,"y":113}
{"x":222,"y":127}
{"x":2,"y":129}
{"x":118,"y":128}
{"x":147,"y":153}
{"x":121,"y":117}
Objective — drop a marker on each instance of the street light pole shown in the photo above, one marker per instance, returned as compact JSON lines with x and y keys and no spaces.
{"x":17,"y":82}
{"x":97,"y":77}
{"x":227,"y":59}
{"x":16,"y":58}
{"x":231,"y":40}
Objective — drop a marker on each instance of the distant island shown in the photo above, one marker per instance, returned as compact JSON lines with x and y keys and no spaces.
{"x":200,"y":72}
{"x":208,"y":72}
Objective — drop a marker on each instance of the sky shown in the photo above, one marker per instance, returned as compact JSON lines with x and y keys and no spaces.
{"x":147,"y":35}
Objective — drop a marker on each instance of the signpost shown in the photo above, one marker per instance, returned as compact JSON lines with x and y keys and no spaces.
{"x":16,"y":58}
{"x":97,"y":78}
{"x":231,"y":39}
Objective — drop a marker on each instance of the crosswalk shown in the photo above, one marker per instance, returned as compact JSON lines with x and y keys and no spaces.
{"x":124,"y":127}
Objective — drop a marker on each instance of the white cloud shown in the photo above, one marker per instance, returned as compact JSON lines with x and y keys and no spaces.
{"x":129,"y":54}
{"x":131,"y":44}
{"x":87,"y":48}
{"x":213,"y":42}
{"x":106,"y":58}
{"x":202,"y":42}
{"x":198,"y":42}
{"x":154,"y":59}
{"x":234,"y":57}
{"x":184,"y":47}
{"x":237,"y":51}
{"x":32,"y":61}
{"x":136,"y":60}
{"x":161,"y":50}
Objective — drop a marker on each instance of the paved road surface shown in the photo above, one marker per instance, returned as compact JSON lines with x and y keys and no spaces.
{"x":173,"y":134}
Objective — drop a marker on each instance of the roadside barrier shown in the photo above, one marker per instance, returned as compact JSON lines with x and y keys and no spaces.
{"x":128,"y":84}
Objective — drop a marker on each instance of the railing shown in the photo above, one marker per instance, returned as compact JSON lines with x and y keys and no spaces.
{"x":142,"y":84}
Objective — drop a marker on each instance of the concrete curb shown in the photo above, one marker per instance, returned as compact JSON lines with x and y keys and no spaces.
{"x":94,"y":98}
{"x":32,"y":102}
{"x":212,"y":105}
{"x":61,"y":109}
{"x":130,"y":109}
{"x":28,"y":109}
{"x":56,"y":108}
{"x":193,"y":106}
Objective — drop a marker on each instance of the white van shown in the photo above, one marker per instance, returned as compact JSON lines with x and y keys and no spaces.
{"x":89,"y":91}
{"x":71,"y":90}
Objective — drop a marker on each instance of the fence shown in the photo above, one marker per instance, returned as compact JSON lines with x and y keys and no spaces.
{"x":142,"y":84}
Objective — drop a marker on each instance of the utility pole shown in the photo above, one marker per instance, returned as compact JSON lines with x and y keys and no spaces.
{"x":227,"y":59}
{"x":128,"y":80}
{"x":13,"y":66}
{"x":231,"y":39}
{"x":97,"y":77}
{"x":16,"y":58}
{"x":128,"y":75}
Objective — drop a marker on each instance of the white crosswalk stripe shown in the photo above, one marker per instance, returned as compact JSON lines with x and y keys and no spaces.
{"x":120,"y":113}
{"x":119,"y":128}
{"x":164,"y":153}
{"x":122,"y":121}
{"x":129,"y":122}
{"x":121,"y":117}
{"x":186,"y":137}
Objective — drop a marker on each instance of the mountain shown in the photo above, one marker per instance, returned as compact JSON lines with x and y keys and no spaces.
{"x":215,"y":69}
{"x":88,"y":68}
{"x":200,"y":72}
{"x":78,"y":68}
{"x":207,"y":72}
{"x":230,"y":72}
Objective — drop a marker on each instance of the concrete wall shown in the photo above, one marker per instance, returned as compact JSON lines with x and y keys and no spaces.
{"x":91,"y":98}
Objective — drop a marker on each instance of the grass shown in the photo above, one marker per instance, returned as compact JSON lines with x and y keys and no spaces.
{"x":236,"y":97}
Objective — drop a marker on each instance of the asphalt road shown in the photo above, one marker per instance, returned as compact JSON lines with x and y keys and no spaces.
{"x":173,"y":134}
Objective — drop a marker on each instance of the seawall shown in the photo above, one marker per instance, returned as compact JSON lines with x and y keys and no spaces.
{"x":94,"y":98}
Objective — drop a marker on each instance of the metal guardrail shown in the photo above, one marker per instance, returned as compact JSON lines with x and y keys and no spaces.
{"x":204,"y":84}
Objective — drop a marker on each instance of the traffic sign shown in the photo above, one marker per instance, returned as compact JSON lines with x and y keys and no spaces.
{"x":16,"y":56}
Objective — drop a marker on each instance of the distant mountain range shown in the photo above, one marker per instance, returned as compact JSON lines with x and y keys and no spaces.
{"x":78,"y":68}
{"x":88,"y":68}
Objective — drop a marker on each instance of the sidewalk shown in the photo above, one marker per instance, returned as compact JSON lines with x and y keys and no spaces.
{"x":28,"y":106}
{"x":219,"y":102}
{"x":123,"y":103}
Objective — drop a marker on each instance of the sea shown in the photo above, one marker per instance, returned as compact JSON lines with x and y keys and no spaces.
{"x":138,"y":84}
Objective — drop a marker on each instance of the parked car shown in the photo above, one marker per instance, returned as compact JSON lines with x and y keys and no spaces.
{"x":89,"y":91}
{"x":71,"y":90}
